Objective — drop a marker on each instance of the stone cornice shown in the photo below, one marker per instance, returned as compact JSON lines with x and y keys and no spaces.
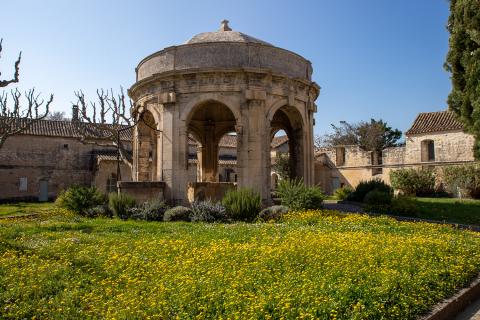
{"x":225,"y":80}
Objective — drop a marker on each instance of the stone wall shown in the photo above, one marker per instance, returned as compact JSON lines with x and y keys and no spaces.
{"x":54,"y":162}
{"x":449,"y":146}
{"x":452,"y":147}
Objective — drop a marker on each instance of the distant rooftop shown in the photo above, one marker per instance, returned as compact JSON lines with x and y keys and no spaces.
{"x":427,"y":122}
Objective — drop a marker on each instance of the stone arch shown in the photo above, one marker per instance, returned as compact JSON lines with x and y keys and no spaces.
{"x":209,"y":121}
{"x":147,"y":147}
{"x":290,"y":120}
{"x":281,"y":103}
{"x":200,"y":99}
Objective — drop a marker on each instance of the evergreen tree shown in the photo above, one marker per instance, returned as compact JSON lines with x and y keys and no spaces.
{"x":463,"y":61}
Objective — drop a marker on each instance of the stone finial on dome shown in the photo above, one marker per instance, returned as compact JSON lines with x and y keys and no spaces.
{"x":224,"y":26}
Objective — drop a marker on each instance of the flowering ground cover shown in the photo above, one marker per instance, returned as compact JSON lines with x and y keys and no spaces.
{"x":314,"y":264}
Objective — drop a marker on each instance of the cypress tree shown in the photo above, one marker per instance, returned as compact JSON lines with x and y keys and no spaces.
{"x":463,"y":62}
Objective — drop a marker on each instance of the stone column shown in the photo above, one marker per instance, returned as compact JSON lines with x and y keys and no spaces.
{"x":209,"y":155}
{"x":254,"y":145}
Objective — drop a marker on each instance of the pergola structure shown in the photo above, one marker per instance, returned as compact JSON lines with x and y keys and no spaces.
{"x":220,"y":83}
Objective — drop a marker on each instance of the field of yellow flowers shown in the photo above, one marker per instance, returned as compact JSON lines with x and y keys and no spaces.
{"x":314,"y":264}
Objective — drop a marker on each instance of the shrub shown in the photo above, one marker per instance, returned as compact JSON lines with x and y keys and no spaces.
{"x":150,"y":211}
{"x":208,"y":211}
{"x":242,"y":204}
{"x":79,"y":199}
{"x":377,"y":197}
{"x":99,"y":211}
{"x":404,"y":206}
{"x":120,"y":204}
{"x":178,"y":213}
{"x":295,"y":195}
{"x":464,"y":178}
{"x":414,"y":182}
{"x":342,"y":193}
{"x":365,"y":187}
{"x":272,"y":213}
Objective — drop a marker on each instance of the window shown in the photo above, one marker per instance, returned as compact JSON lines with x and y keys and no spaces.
{"x":23,"y":184}
{"x":340,"y":155}
{"x":428,"y":150}
{"x":112,"y":183}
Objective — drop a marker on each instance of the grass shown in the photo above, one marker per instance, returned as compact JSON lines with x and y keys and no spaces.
{"x":23,"y":208}
{"x":315,"y":264}
{"x":465,"y":211}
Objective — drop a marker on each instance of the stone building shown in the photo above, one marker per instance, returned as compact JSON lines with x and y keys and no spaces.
{"x":435,"y":139}
{"x":49,"y":157}
{"x":215,"y":84}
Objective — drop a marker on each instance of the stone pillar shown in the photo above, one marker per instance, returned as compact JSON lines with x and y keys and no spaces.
{"x":209,"y":155}
{"x":254,"y":145}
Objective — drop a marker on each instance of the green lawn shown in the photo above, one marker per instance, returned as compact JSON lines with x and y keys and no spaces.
{"x":464,"y":211}
{"x":315,"y":264}
{"x":23,"y":208}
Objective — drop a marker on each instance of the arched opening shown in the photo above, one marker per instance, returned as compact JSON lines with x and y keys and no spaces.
{"x":279,"y":158}
{"x":288,"y":119}
{"x":207,"y":124}
{"x":428,"y":150}
{"x":147,"y":148}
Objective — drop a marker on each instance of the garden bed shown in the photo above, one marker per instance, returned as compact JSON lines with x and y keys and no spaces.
{"x":314,"y":264}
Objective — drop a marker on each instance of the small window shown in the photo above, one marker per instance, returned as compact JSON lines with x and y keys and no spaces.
{"x":428,"y":150}
{"x":65,"y":146}
{"x":340,"y":155}
{"x":112,"y":183}
{"x":23,"y":184}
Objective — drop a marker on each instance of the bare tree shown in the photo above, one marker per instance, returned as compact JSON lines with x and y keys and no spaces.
{"x":19,"y":116}
{"x":57,"y":116}
{"x":102,"y":122}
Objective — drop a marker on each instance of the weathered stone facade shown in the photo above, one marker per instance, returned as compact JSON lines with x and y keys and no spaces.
{"x":37,"y":167}
{"x":435,"y":140}
{"x":217,"y":83}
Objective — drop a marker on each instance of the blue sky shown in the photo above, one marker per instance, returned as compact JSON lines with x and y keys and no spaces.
{"x":372,"y":58}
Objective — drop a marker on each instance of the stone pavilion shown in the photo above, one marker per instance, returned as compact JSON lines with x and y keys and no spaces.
{"x":216,"y":84}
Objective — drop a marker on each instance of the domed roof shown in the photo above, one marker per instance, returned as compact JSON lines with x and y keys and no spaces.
{"x":225,"y":34}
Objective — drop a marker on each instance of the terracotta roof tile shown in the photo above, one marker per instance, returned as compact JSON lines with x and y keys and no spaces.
{"x":230,"y":141}
{"x":435,"y":122}
{"x":67,"y":129}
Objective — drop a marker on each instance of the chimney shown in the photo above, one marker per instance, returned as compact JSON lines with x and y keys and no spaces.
{"x":75,"y":113}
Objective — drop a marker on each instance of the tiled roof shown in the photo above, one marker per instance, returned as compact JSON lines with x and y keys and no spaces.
{"x":230,"y":141}
{"x":226,"y":163}
{"x":67,"y":129}
{"x":278,"y":141}
{"x":435,"y":122}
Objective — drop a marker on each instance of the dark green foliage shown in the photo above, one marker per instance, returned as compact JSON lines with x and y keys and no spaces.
{"x":79,"y":199}
{"x":208,"y":211}
{"x":377,"y":197}
{"x":99,"y":211}
{"x":414,"y":182}
{"x":282,"y":165}
{"x":465,"y":178}
{"x":274,"y":213}
{"x":365,"y":187}
{"x":295,"y":195}
{"x":375,"y":135}
{"x":342,"y":193}
{"x":150,"y":211}
{"x":121,"y":205}
{"x":405,"y":206}
{"x":243,"y":204}
{"x":463,"y":61}
{"x":178,"y":213}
